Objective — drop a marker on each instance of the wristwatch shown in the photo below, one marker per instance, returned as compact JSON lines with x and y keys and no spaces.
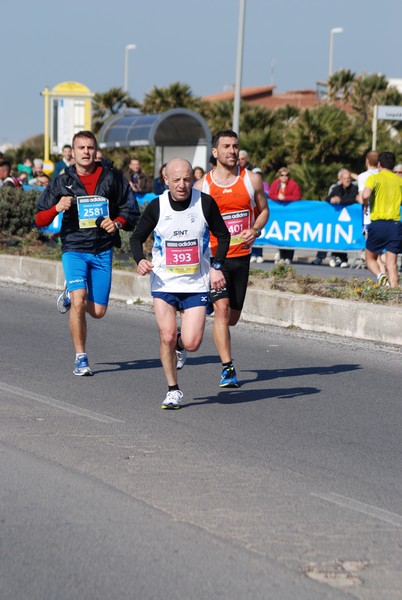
{"x":217,"y":266}
{"x":257,"y":231}
{"x":118,"y":225}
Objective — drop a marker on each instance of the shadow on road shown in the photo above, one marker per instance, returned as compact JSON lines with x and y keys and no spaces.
{"x":129,"y":365}
{"x":241,"y":395}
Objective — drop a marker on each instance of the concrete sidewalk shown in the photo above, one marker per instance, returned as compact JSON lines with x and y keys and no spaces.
{"x":326,"y":315}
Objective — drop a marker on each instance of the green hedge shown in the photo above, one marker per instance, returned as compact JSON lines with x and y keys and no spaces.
{"x":17,"y":211}
{"x":17,"y":215}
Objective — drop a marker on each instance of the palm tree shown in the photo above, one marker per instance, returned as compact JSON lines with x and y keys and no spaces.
{"x":176,"y":95}
{"x":367,"y":91}
{"x":314,"y":178}
{"x":325,"y":134}
{"x":287,"y":114}
{"x":109,"y":103}
{"x":265,"y":145}
{"x":340,"y":85}
{"x":219,"y":115}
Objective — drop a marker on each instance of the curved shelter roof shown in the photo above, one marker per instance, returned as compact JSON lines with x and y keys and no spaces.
{"x":176,"y":127}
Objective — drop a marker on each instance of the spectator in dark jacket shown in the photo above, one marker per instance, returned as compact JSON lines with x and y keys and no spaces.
{"x":139,"y":182}
{"x":344,"y":192}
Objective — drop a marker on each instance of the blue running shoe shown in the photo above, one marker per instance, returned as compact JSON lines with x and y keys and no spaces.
{"x":63,"y":301}
{"x":81,"y":366}
{"x":228,"y":378}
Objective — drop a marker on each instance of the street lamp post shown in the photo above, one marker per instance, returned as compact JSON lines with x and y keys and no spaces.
{"x":239,"y":68}
{"x":128,"y":47}
{"x":331,"y":46}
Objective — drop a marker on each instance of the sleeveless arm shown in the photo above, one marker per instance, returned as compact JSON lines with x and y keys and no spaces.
{"x":217,"y":225}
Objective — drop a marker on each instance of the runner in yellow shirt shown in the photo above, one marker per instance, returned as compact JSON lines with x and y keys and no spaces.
{"x":384,"y":192}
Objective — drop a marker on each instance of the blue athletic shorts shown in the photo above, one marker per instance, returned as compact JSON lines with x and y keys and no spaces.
{"x":93,"y":272}
{"x":384,"y":234}
{"x":182,"y":301}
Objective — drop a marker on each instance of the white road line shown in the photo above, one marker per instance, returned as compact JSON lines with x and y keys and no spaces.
{"x":83,"y":412}
{"x":367,"y":509}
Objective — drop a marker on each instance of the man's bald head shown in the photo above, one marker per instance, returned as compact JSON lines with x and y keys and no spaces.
{"x":179,"y":178}
{"x":177,"y":163}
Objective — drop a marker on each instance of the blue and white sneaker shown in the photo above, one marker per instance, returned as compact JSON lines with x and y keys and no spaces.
{"x":81,"y":366}
{"x":228,"y":378}
{"x":63,"y":301}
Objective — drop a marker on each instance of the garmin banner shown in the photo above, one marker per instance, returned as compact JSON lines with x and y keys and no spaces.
{"x":314,"y":224}
{"x":304,"y":224}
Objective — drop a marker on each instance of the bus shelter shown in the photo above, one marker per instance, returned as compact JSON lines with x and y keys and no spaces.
{"x":177,"y":132}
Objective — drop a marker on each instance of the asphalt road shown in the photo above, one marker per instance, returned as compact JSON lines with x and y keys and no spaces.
{"x":287,"y":488}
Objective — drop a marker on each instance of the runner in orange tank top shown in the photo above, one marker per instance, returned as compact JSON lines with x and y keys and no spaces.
{"x":240,"y":196}
{"x":236,"y":205}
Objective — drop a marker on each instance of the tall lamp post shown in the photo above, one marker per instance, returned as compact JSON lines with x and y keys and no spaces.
{"x":331,"y":46}
{"x":239,"y":68}
{"x":128,"y":47}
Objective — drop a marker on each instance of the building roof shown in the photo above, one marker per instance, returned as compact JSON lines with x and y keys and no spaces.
{"x":249,"y":94}
{"x":264,"y":96}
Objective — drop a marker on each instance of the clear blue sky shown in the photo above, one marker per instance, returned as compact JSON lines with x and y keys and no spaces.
{"x":286,"y":43}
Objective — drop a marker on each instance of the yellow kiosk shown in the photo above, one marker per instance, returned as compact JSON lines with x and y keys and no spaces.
{"x":68,"y":109}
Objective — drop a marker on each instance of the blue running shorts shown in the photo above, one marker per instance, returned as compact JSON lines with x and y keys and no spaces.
{"x":93,"y":272}
{"x":183,"y":301}
{"x":384,"y":235}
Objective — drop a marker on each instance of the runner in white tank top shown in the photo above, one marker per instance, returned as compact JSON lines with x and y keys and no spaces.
{"x":181,"y":220}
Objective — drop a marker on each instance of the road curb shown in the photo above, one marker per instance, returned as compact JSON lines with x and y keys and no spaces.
{"x":326,"y":315}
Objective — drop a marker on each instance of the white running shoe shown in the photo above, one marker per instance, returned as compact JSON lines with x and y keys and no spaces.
{"x":172,"y":400}
{"x":63,"y":301}
{"x":181,"y":356}
{"x":253,"y":258}
{"x":259,"y":260}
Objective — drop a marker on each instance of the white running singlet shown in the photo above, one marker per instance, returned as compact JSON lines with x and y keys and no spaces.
{"x":180,"y":253}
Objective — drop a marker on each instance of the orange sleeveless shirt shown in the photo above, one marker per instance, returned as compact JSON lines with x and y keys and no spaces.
{"x":236,"y":205}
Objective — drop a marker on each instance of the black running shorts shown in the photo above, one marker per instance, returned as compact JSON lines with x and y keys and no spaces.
{"x":236,"y":272}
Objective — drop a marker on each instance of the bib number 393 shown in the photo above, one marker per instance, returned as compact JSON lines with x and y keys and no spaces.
{"x":182,"y":257}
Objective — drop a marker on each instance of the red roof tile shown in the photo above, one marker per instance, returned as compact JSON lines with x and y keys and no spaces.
{"x":264,"y":96}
